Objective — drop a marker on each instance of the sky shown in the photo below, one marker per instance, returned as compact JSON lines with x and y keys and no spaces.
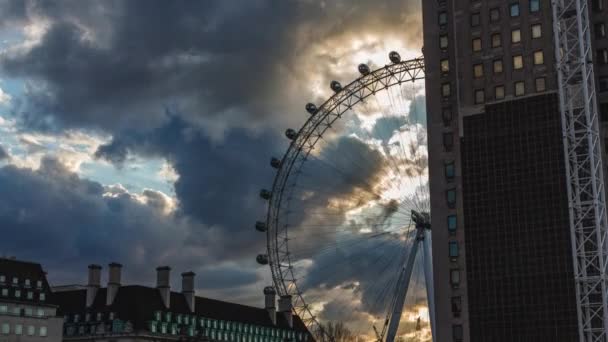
{"x":140,"y":131}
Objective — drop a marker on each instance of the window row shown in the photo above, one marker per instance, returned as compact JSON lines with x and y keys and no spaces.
{"x":18,"y":329}
{"x":17,"y":293}
{"x":19,"y":311}
{"x":538,"y":58}
{"x":494,"y":14}
{"x":15,"y":281}
{"x":519,"y":89}
{"x":87,"y":317}
{"x":276,"y":335}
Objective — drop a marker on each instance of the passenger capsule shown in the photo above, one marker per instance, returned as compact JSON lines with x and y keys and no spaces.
{"x":363,"y":69}
{"x":265,"y":194}
{"x":335,"y":86}
{"x":394,"y":57}
{"x":260,"y":226}
{"x":269,"y":290}
{"x":311,"y":108}
{"x":275,"y":163}
{"x":291,"y":134}
{"x":262,"y":259}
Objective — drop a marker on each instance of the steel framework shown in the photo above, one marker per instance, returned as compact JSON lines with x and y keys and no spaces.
{"x":299,"y":150}
{"x":587,"y":205}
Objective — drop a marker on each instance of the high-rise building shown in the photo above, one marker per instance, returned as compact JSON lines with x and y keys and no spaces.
{"x":26,"y":315}
{"x":502,"y":259}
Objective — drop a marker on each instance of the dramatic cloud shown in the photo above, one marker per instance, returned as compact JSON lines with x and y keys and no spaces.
{"x":3,"y":154}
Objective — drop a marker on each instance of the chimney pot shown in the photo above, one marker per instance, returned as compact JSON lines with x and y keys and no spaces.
{"x":188,"y":289}
{"x":285,"y":307}
{"x":270,"y":303}
{"x":162,"y":284}
{"x":113,"y":282}
{"x":93,"y":284}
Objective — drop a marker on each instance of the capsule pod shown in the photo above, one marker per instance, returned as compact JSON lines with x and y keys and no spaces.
{"x":394,"y":57}
{"x":291,"y":134}
{"x":262,"y":259}
{"x":364,"y":69}
{"x":265,"y":194}
{"x":260,"y":226}
{"x":335,"y":86}
{"x":269,"y":290}
{"x":311,"y":108}
{"x":275,"y":163}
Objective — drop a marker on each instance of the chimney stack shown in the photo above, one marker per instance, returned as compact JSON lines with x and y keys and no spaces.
{"x":162,"y":284}
{"x":285,"y":307}
{"x":94,"y":282}
{"x":270,"y":303}
{"x":113,"y":282}
{"x":188,"y":288}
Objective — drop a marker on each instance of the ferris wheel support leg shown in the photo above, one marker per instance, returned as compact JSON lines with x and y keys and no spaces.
{"x":401,"y":291}
{"x":428,"y":278}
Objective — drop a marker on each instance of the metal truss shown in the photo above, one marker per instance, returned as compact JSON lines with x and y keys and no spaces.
{"x":287,"y":175}
{"x":583,"y":161}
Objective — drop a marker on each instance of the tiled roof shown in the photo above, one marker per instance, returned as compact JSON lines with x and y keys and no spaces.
{"x":139,"y":303}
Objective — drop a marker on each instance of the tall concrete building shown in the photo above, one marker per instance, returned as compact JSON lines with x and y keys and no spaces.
{"x":25,"y":312}
{"x":502,"y":257}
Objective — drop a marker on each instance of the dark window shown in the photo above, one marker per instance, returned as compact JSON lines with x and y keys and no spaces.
{"x":496,"y":41}
{"x":455,"y":278}
{"x":476,"y":44}
{"x":448,"y":141}
{"x":450,"y":170}
{"x":452,"y":223}
{"x":450,"y":196}
{"x":443,"y":18}
{"x":453,"y":249}
{"x":514,"y":10}
{"x":446,"y":114}
{"x":443,"y":41}
{"x":480,"y":96}
{"x":600,"y":30}
{"x":457,"y":333}
{"x":598,"y":5}
{"x":602,"y":56}
{"x":446,"y":90}
{"x":604,"y":112}
{"x":540,"y":84}
{"x":456,"y":306}
{"x":475,"y":19}
{"x":603,"y":84}
{"x":534,"y":5}
{"x":494,"y":14}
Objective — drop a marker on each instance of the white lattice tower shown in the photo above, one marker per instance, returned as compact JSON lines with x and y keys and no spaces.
{"x":583,"y":159}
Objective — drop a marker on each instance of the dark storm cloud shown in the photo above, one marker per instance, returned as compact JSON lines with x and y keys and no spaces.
{"x":3,"y":153}
{"x":117,"y":64}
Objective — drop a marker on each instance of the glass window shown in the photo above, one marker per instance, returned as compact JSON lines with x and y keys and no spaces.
{"x":445,"y":66}
{"x":31,"y":330}
{"x":497,"y":66}
{"x":514,"y":10}
{"x":455,"y":277}
{"x":42,"y":331}
{"x":475,"y":19}
{"x":451,"y":197}
{"x":534,"y":5}
{"x":450,"y":170}
{"x":499,"y":92}
{"x":457,"y":333}
{"x":598,"y":5}
{"x":17,"y":293}
{"x":443,"y":18}
{"x":111,"y":316}
{"x":40,"y":312}
{"x":518,"y":62}
{"x":18,"y":329}
{"x":76,"y":318}
{"x":2,"y":278}
{"x":42,"y":297}
{"x":496,"y":40}
{"x":456,"y":306}
{"x":30,"y":295}
{"x":443,"y":41}
{"x":3,"y":309}
{"x":540,"y":84}
{"x":476,"y":44}
{"x":6,"y":328}
{"x":445,"y":90}
{"x":495,"y":14}
{"x":39,"y":284}
{"x":515,"y":36}
{"x":446,"y":113}
{"x":99,"y":316}
{"x":87,"y":317}
{"x":602,"y":56}
{"x":453,"y":250}
{"x":520,"y":88}
{"x":448,"y":141}
{"x":27,"y":283}
{"x":480,"y":96}
{"x":539,"y":57}
{"x":537,"y":31}
{"x":17,"y":311}
{"x":600,"y":30}
{"x":15,"y":280}
{"x":478,"y":70}
{"x":603,"y":84}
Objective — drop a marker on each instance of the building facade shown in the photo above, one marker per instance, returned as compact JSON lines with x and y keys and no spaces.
{"x":501,"y":237}
{"x":140,"y":313}
{"x":25,"y":312}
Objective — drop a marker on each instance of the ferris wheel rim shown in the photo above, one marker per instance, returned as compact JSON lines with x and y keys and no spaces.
{"x":300,"y":147}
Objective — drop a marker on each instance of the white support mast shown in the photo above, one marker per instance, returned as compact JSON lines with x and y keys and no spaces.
{"x":583,"y":162}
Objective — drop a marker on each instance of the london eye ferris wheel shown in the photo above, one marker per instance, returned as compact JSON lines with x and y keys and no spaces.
{"x":341,"y":221}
